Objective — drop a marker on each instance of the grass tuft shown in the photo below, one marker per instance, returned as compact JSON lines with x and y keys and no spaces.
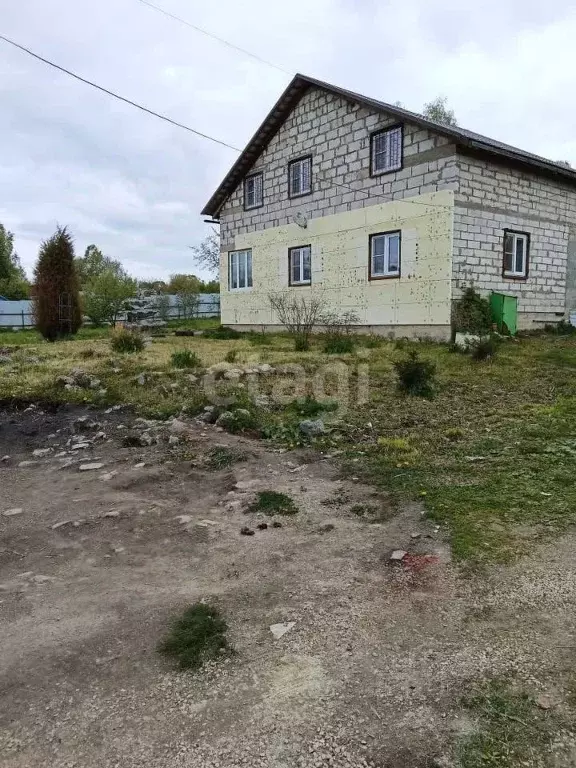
{"x":124,"y":340}
{"x":185,"y":358}
{"x":195,"y":637}
{"x":274,"y":503}
{"x":222,"y":457}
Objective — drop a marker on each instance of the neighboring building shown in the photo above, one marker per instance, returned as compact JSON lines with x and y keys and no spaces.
{"x":389,"y":215}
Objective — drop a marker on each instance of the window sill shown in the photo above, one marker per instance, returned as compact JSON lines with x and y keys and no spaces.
{"x":241,"y":290}
{"x":508,"y":276}
{"x":299,"y":194}
{"x":374,"y":174}
{"x":253,"y":207}
{"x":300,"y":285}
{"x":394,"y":276}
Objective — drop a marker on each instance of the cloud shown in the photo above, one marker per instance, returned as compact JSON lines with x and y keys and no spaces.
{"x":135,"y":185}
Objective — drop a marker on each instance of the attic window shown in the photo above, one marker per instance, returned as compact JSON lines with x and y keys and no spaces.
{"x":300,"y":177}
{"x":253,"y":197}
{"x":386,"y":150}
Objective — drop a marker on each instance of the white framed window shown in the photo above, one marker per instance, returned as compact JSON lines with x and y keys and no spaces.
{"x":386,"y":150}
{"x":253,"y":191}
{"x":516,"y":252}
{"x":385,"y":255}
{"x":300,"y":177}
{"x":240,"y":269}
{"x":300,"y":265}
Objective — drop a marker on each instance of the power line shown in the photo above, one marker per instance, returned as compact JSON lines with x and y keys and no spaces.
{"x":117,"y":96}
{"x":215,"y":37}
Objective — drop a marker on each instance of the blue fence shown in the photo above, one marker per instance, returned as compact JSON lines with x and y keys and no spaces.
{"x":18,"y":314}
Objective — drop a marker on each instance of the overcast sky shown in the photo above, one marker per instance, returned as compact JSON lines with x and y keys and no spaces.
{"x":135,"y":185}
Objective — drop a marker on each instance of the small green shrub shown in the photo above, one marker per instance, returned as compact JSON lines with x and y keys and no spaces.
{"x":483,"y":349}
{"x":274,"y":503}
{"x":371,"y":341}
{"x":239,"y":420}
{"x":222,"y":332}
{"x":88,"y":353}
{"x":472,"y":314}
{"x":231,"y":356}
{"x":222,"y":457}
{"x":560,"y":329}
{"x":260,"y":339}
{"x":308,"y":407}
{"x":339,"y":345}
{"x":415,"y":376}
{"x":301,"y":344}
{"x":199,"y":635}
{"x":185,"y":358}
{"x":125,"y":340}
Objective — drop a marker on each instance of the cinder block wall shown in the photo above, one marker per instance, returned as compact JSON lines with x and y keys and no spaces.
{"x":492,"y":197}
{"x":337,"y":135}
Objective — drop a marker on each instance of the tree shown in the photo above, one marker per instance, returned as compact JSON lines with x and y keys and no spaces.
{"x":93,"y":264}
{"x":210,"y":286}
{"x":105,"y":295}
{"x":438,"y":111}
{"x":183,"y":284}
{"x":207,"y":254}
{"x":56,"y":297}
{"x":13,"y":282}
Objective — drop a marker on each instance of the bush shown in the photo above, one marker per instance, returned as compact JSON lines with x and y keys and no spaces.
{"x":415,"y":376}
{"x":301,"y":343}
{"x":239,"y":420}
{"x":308,"y":407}
{"x":371,"y":341}
{"x":472,"y":314}
{"x":185,"y":358}
{"x":483,"y":349}
{"x":298,"y":315}
{"x":231,"y":356}
{"x":274,"y":503}
{"x":126,"y":340}
{"x":338,"y":333}
{"x":199,"y":635}
{"x":260,"y":339}
{"x":339,"y":346}
{"x":222,"y":332}
{"x":560,"y":329}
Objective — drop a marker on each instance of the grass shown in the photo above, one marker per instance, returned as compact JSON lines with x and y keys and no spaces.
{"x":492,"y":457}
{"x":512,"y":730}
{"x":185,"y":358}
{"x":274,"y":503}
{"x":221,"y":457}
{"x":195,"y":637}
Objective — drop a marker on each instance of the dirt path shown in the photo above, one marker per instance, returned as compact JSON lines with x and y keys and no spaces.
{"x":98,"y":561}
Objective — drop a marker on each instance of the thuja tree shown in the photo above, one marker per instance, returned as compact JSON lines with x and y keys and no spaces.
{"x":56,"y":294}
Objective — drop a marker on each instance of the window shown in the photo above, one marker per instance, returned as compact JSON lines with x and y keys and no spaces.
{"x":386,"y":150}
{"x":300,"y":177}
{"x":299,"y":265}
{"x":240,"y":269}
{"x":253,"y":197}
{"x":385,"y":255}
{"x":516,"y":250}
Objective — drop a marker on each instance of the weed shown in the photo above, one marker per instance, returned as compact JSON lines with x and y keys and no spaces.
{"x":125,"y":340}
{"x":87,"y":354}
{"x":222,"y":457}
{"x":472,"y":313}
{"x":301,"y":344}
{"x":560,"y":329}
{"x":274,"y":503}
{"x":308,"y":407}
{"x":239,"y":420}
{"x":338,"y":499}
{"x":197,"y":636}
{"x":222,"y":332}
{"x":415,"y":376}
{"x":231,"y":356}
{"x":260,"y":339}
{"x":371,"y":341}
{"x":339,"y":345}
{"x":185,"y":358}
{"x":483,"y":349}
{"x":454,"y":434}
{"x":364,"y":510}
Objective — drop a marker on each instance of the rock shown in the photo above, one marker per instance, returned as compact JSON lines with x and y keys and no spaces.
{"x":266,"y":369}
{"x":398,"y":555}
{"x":208,"y":417}
{"x":112,"y":513}
{"x":39,"y":452}
{"x":246,"y":485}
{"x":184,"y":519}
{"x":108,"y":475}
{"x":246,"y":531}
{"x":544,"y":701}
{"x":261,"y":401}
{"x":208,"y":522}
{"x":173,"y":440}
{"x":276,"y":524}
{"x":90,"y":467}
{"x":40,"y":579}
{"x":5,"y":459}
{"x":279,"y":630}
{"x":80,"y":446}
{"x":24,"y":464}
{"x":178,"y":427}
{"x":326,"y":528}
{"x":141,"y":379}
{"x":140,"y":465}
{"x":415,"y":535}
{"x":233,"y":374}
{"x":119,"y":550}
{"x":312,"y":427}
{"x":262,"y":526}
{"x":12,"y":512}
{"x":225,"y":418}
{"x":60,"y":524}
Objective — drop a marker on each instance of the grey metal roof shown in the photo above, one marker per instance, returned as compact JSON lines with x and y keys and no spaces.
{"x":300,"y":84}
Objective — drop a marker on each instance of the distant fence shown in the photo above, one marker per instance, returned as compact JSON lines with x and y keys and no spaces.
{"x":18,"y":314}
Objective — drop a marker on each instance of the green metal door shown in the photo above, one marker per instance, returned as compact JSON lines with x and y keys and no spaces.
{"x":505,"y":312}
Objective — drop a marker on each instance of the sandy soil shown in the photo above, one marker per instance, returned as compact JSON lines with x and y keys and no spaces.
{"x":98,"y":561}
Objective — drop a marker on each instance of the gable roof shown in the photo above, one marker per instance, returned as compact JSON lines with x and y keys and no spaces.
{"x":298,"y":87}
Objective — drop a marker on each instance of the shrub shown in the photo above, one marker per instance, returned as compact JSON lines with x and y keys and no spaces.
{"x":560,"y":329}
{"x":222,"y":332}
{"x":298,"y":315}
{"x":371,"y":341}
{"x":483,"y":349}
{"x":415,"y":376}
{"x":231,"y":356}
{"x":126,"y":340}
{"x":239,"y":420}
{"x":222,"y":457}
{"x":87,"y":353}
{"x":471,"y":313}
{"x":339,"y":345}
{"x":199,"y":635}
{"x":338,"y":332}
{"x":260,"y":339}
{"x":308,"y":407}
{"x":274,"y":503}
{"x":185,"y":358}
{"x":56,"y":296}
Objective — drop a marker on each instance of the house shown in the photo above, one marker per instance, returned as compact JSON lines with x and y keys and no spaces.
{"x":389,"y":215}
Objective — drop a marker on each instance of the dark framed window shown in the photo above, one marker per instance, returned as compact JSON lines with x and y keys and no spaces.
{"x":240,"y":269}
{"x":385,"y":255}
{"x":300,"y":265}
{"x":516,"y":254}
{"x":300,"y":176}
{"x":386,"y":150}
{"x":253,"y":191}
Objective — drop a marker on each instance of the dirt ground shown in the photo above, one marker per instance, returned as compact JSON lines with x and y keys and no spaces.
{"x":371,"y":674}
